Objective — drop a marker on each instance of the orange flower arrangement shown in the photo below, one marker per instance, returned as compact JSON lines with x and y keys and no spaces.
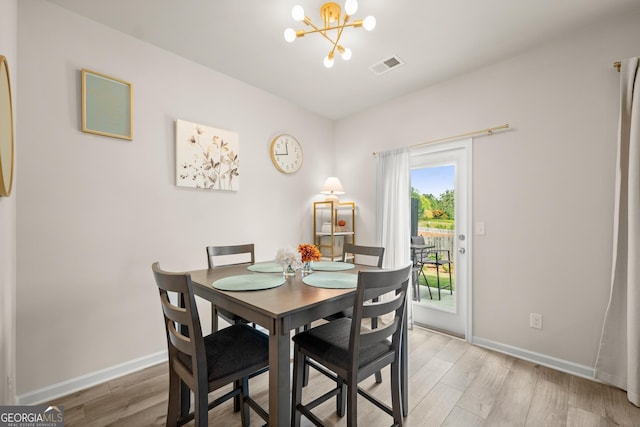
{"x":309,"y":252}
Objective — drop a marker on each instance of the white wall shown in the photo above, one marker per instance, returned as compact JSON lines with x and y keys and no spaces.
{"x":8,"y":49}
{"x":95,"y":212}
{"x":543,"y":188}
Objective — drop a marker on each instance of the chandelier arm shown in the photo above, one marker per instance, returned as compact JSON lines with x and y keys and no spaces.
{"x":335,"y":44}
{"x":354,"y":24}
{"x":322,"y":31}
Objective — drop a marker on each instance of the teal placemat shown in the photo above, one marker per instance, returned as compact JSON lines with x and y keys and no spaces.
{"x":249,"y":282}
{"x":331,"y":266}
{"x":331,"y":280}
{"x":266,"y":267}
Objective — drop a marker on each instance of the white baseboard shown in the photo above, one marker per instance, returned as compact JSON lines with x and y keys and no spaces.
{"x":540,"y":359}
{"x":73,"y":385}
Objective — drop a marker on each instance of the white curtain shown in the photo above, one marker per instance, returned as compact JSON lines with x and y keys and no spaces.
{"x":618,"y":361}
{"x":393,"y":214}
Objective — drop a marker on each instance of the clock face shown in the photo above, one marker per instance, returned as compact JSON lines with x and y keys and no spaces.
{"x":286,"y":153}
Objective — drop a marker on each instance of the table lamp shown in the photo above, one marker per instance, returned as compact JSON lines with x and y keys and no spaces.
{"x":331,"y":188}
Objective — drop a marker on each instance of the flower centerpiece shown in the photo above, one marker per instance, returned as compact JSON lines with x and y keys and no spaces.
{"x":289,"y":260}
{"x":308,"y":253}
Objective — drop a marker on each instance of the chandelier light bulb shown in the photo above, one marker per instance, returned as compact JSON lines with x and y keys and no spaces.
{"x":290,"y":35}
{"x":297,"y":13}
{"x":346,"y":55}
{"x":328,"y":62}
{"x":369,"y":23}
{"x":351,"y":7}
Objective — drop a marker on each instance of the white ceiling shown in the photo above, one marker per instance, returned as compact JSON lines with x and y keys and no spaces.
{"x":437,"y":39}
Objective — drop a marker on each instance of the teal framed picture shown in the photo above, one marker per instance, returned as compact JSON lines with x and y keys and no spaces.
{"x":107,"y":105}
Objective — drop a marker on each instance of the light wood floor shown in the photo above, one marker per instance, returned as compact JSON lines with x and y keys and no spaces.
{"x":452,"y":383}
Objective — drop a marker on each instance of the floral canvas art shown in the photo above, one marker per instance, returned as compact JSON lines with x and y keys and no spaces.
{"x":206,"y":157}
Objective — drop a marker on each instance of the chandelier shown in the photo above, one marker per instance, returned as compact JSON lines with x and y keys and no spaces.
{"x":330,"y":13}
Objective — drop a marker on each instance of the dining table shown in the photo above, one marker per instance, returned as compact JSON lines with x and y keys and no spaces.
{"x":262,"y":295}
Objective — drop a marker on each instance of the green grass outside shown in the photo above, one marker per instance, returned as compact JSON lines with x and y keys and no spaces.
{"x":433,"y":281}
{"x":445,"y":224}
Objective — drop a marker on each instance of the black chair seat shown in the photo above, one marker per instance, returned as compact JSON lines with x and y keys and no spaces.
{"x":330,"y":343}
{"x":231,"y":350}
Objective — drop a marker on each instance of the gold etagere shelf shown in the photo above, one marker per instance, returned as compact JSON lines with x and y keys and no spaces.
{"x":333,"y":225}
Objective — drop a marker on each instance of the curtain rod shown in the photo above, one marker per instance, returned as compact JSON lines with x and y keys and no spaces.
{"x":488,"y":131}
{"x":617,"y":65}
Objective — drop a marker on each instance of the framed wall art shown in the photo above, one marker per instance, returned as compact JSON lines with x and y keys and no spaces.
{"x":207,"y":157}
{"x":107,"y":105}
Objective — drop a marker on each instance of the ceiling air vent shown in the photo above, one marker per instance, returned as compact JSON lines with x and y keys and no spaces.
{"x":386,"y":65}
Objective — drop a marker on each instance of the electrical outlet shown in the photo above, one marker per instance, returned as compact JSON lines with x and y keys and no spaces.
{"x":535,"y":320}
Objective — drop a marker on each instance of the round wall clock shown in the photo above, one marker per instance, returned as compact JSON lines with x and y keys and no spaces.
{"x":286,"y":153}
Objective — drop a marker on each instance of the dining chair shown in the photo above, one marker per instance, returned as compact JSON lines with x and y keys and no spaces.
{"x":353,"y":253}
{"x":353,"y":352}
{"x":418,"y":253}
{"x":228,"y":255}
{"x":430,"y":256}
{"x":205,"y":364}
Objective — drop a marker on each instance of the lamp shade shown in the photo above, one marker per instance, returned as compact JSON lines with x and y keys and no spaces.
{"x":332,"y":186}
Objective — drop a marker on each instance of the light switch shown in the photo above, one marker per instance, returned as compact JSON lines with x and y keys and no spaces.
{"x":479,"y":228}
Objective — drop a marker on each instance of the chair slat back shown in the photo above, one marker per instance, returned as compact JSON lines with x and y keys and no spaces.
{"x":371,"y":251}
{"x":417,"y":240}
{"x":182,"y":324}
{"x":379,"y":334}
{"x":382,"y":307}
{"x":374,"y":284}
{"x":216,"y":254}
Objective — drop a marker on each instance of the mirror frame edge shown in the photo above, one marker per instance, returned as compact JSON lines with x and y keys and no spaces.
{"x":5,"y":189}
